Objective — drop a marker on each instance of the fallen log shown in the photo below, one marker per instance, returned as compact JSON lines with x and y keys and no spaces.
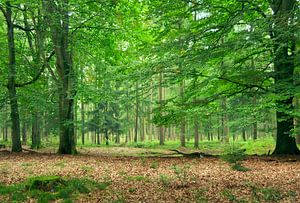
{"x":192,"y":154}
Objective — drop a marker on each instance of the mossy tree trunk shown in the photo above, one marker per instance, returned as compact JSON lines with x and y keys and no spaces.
{"x":58,"y":20}
{"x":284,"y":47}
{"x":11,"y":85}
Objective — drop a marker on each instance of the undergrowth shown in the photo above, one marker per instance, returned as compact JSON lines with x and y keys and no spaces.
{"x":49,"y":188}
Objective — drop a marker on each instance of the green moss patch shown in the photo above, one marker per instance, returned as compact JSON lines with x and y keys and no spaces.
{"x":50,"y":188}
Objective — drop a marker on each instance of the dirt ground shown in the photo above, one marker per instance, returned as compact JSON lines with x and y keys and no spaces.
{"x":175,"y":179}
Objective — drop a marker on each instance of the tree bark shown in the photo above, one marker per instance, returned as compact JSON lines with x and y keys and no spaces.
{"x":59,"y":27}
{"x":182,"y":124}
{"x":35,"y":133}
{"x":135,"y":139}
{"x":196,"y":132}
{"x":11,"y":86}
{"x":255,"y":123}
{"x":225,"y":130}
{"x":284,"y":47}
{"x":160,"y":100}
{"x":82,"y":123}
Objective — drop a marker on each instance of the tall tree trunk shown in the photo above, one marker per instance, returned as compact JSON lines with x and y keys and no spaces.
{"x":11,"y":86}
{"x":196,"y":132}
{"x":59,"y":26}
{"x":24,"y":135}
{"x":160,"y":101}
{"x":297,"y":123}
{"x":82,"y":123}
{"x":225,"y":130}
{"x":244,"y":135}
{"x":284,"y":47}
{"x":255,"y":123}
{"x":136,"y":114}
{"x":182,"y":123}
{"x":35,"y":133}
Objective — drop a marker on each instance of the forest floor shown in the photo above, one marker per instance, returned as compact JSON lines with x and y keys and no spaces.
{"x":159,"y":179}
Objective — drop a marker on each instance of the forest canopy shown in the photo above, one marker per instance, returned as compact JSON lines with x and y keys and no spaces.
{"x":123,"y":71}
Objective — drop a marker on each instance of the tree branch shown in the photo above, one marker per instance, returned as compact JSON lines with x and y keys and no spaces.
{"x":23,"y":28}
{"x":3,"y":11}
{"x":39,"y":73}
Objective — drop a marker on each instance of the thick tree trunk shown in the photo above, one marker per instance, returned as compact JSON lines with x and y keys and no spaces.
{"x":284,"y":47}
{"x":59,"y":26}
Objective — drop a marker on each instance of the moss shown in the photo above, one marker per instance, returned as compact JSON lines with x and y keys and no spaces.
{"x":50,"y":188}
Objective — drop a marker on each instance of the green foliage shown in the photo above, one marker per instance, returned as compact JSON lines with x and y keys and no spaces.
{"x":239,"y":167}
{"x":182,"y":173}
{"x":50,"y":188}
{"x":154,"y":165}
{"x":137,"y":178}
{"x":165,"y":180}
{"x":131,"y":190}
{"x":268,"y":194}
{"x":199,"y":195}
{"x":234,"y":154}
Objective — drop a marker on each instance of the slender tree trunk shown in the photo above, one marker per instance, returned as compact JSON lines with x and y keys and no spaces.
{"x":14,"y":114}
{"x":106,"y":137}
{"x":255,"y":123}
{"x":24,"y":136}
{"x":244,"y":135}
{"x":160,"y":100}
{"x":196,"y":132}
{"x":82,"y":123}
{"x":135,"y":139}
{"x":297,"y":123}
{"x":225,"y":130}
{"x":182,"y":124}
{"x":36,"y":133}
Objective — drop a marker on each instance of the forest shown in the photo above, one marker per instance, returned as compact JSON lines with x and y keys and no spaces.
{"x":149,"y":101}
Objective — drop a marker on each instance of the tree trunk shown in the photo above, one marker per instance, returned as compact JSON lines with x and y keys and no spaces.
{"x":160,"y":101}
{"x":14,"y":114}
{"x":182,"y":124}
{"x":225,"y":130}
{"x":284,"y":47}
{"x":244,"y":135}
{"x":24,"y":135}
{"x":136,"y":114}
{"x":82,"y":123}
{"x":35,"y":134}
{"x":196,"y":132}
{"x":59,"y":26}
{"x":255,"y":123}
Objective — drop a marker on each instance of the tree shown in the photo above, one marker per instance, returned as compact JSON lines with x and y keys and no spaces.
{"x":284,"y":65}
{"x":58,"y":19}
{"x":11,"y":84}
